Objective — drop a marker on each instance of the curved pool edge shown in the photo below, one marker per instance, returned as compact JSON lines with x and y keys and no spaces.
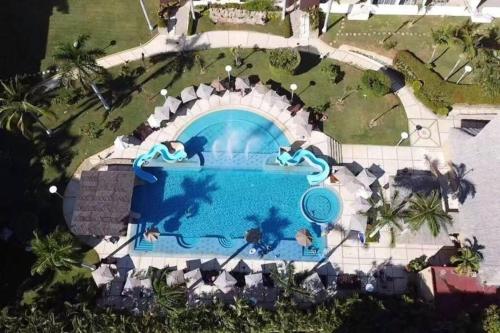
{"x":337,"y":195}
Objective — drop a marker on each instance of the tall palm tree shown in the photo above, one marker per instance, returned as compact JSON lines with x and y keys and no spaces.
{"x":55,"y":252}
{"x":287,"y":282}
{"x":459,"y":185}
{"x":440,"y":37}
{"x":387,"y":214}
{"x":78,"y":63}
{"x":427,"y":210}
{"x":20,"y":107}
{"x":467,"y":261}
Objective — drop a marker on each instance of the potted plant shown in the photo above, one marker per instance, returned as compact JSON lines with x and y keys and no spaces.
{"x":417,"y":264}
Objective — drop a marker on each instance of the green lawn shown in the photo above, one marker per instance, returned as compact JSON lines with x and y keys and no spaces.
{"x":415,"y":37}
{"x":348,"y":125}
{"x":274,"y":26}
{"x":121,"y":21}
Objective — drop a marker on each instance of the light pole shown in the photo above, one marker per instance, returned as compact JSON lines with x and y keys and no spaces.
{"x":404,"y":136}
{"x":146,"y":15}
{"x":293,"y":87}
{"x":467,"y":70}
{"x":327,"y":14}
{"x":164,"y":92}
{"x":228,"y":70}
{"x":53,"y":190}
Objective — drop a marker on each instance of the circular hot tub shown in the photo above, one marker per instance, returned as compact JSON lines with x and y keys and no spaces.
{"x":321,"y":205}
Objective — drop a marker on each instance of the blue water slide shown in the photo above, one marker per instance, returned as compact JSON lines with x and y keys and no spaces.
{"x":302,"y":154}
{"x":157,"y":150}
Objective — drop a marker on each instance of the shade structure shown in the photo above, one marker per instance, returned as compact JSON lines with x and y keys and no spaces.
{"x":313,"y":283}
{"x":254,"y":280}
{"x":103,"y":275}
{"x":152,"y":235}
{"x":217,"y":85}
{"x":260,"y":89}
{"x":192,"y":277}
{"x":123,"y":142}
{"x":253,"y":236}
{"x":153,"y":122}
{"x":132,"y":283}
{"x":188,"y":94}
{"x":344,"y":175}
{"x":366,"y":178}
{"x":358,"y":223}
{"x":162,"y":113}
{"x":225,"y":282}
{"x":304,"y":237}
{"x":204,"y":91}
{"x":241,"y":83}
{"x":361,"y":205}
{"x":172,"y":103}
{"x":175,"y":278}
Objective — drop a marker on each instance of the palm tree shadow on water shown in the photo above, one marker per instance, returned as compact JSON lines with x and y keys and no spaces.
{"x":272,"y":227}
{"x":196,"y":146}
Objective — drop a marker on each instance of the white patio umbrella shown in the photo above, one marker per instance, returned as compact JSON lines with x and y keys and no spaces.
{"x":217,"y":85}
{"x":188,"y":94}
{"x":162,"y":113}
{"x":361,"y":205}
{"x":172,"y":103}
{"x":175,"y":278}
{"x":344,"y":175}
{"x":204,"y":91}
{"x":123,"y":142}
{"x":260,"y":89}
{"x":254,"y":280}
{"x":225,"y":282}
{"x":358,"y":223}
{"x":192,"y":277}
{"x":366,"y":178}
{"x":153,"y":122}
{"x":242,"y":83}
{"x":103,"y":275}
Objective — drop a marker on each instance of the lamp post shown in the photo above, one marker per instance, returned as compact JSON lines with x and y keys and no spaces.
{"x":404,"y":136}
{"x":467,"y":70}
{"x":293,"y":87}
{"x":53,"y":190}
{"x":228,"y":70}
{"x":143,"y":7}
{"x":164,"y":93}
{"x":327,"y":14}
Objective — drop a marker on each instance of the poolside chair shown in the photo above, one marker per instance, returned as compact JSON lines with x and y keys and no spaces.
{"x":188,"y":94}
{"x":204,"y":91}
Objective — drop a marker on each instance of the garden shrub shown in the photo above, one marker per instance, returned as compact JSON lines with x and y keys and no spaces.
{"x":375,"y":83}
{"x":416,"y":85}
{"x":335,"y":74}
{"x":285,"y":59}
{"x":436,"y":93}
{"x":259,"y":5}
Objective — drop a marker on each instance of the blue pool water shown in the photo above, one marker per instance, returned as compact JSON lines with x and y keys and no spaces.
{"x":207,"y":211}
{"x":321,"y":205}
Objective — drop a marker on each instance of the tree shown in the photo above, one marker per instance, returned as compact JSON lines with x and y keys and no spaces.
{"x":78,"y":63}
{"x":467,"y":261}
{"x":286,"y":280}
{"x":440,"y":37}
{"x":236,"y":52}
{"x":387,"y":214}
{"x":285,"y":59}
{"x":487,"y":73}
{"x":461,"y":187}
{"x":348,"y":91}
{"x":335,"y":74}
{"x":20,"y":107}
{"x":54,"y":252}
{"x":427,"y":210}
{"x":171,"y":299}
{"x":491,"y":319}
{"x":375,"y":83}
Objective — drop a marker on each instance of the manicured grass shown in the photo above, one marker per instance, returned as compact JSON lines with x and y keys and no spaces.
{"x":275,"y":25}
{"x":414,"y":37}
{"x":348,"y":125}
{"x":121,"y":21}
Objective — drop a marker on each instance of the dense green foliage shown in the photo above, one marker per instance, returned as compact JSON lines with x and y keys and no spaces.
{"x":491,"y":319}
{"x":418,"y":264}
{"x":427,"y":210}
{"x":467,"y":261}
{"x":375,"y":83}
{"x":435,"y":93}
{"x":335,"y":74}
{"x":259,"y":5}
{"x":286,"y":59}
{"x":356,"y":314}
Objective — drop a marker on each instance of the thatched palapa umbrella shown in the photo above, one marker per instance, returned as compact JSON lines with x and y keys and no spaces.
{"x":304,"y":237}
{"x":152,"y":235}
{"x":253,"y":236}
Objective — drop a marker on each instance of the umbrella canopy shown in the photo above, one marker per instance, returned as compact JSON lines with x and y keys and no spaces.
{"x":366,"y":178}
{"x":344,"y":175}
{"x":260,"y":89}
{"x":152,"y":235}
{"x":172,"y":103}
{"x":204,"y":91}
{"x":162,"y":113}
{"x":103,"y":275}
{"x":218,"y":86}
{"x":253,"y":235}
{"x":304,"y":237}
{"x":358,"y":223}
{"x":242,"y":83}
{"x":175,"y":278}
{"x":188,"y":94}
{"x":153,"y":122}
{"x":254,"y":280}
{"x":361,"y":205}
{"x":225,"y":282}
{"x":192,"y":277}
{"x":122,"y":142}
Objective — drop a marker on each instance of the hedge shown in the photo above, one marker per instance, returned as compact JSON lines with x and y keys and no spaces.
{"x":436,"y":93}
{"x":285,"y":59}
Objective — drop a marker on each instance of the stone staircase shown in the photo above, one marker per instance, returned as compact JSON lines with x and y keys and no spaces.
{"x":335,"y":150}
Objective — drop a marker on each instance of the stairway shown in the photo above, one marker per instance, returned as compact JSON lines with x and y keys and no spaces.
{"x":335,"y":150}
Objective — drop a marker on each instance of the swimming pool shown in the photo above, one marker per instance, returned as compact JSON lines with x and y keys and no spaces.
{"x":207,"y":211}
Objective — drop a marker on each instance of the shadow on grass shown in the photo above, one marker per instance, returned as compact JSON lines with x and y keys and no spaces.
{"x":307,"y":62}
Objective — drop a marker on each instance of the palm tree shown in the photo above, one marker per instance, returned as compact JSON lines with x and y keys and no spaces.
{"x":236,"y":52}
{"x":78,"y":63}
{"x":387,"y":214}
{"x":468,"y":39}
{"x":287,"y":282}
{"x":171,"y":299}
{"x":467,"y":261}
{"x":54,"y":252}
{"x":440,"y":37}
{"x":427,"y":209}
{"x":20,"y":107}
{"x":460,"y":187}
